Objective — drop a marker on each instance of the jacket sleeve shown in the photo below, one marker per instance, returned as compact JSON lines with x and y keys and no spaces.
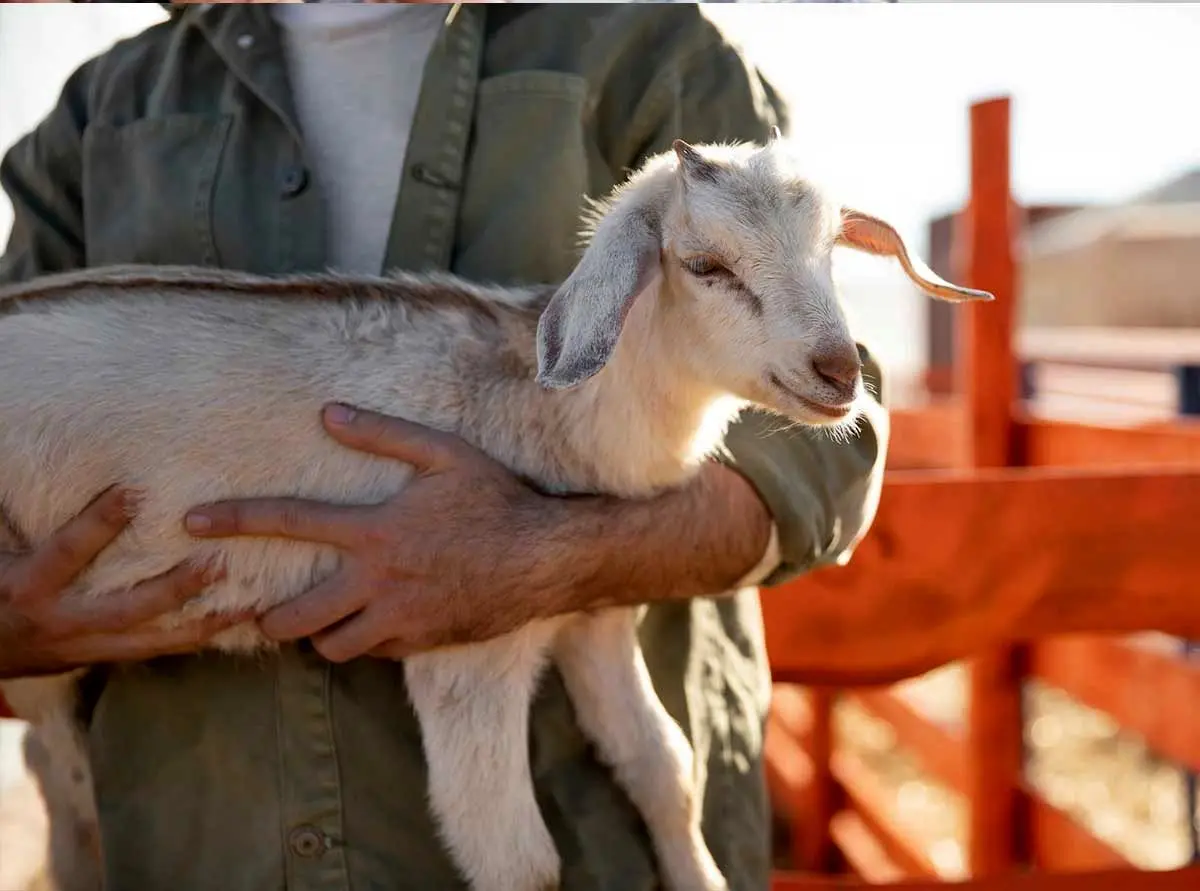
{"x":42,"y":175}
{"x":821,"y":493}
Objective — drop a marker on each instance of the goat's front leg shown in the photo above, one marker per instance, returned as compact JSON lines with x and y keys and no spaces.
{"x":617,"y":707}
{"x":473,"y":705}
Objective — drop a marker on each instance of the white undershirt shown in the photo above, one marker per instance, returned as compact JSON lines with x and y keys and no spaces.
{"x":355,"y":73}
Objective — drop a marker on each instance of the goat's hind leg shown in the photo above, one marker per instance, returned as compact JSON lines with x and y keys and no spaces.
{"x":473,"y":707}
{"x":56,"y":752}
{"x":617,"y":707}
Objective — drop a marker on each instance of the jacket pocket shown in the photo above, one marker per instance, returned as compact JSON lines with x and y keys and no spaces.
{"x":148,"y":189}
{"x":526,"y":177}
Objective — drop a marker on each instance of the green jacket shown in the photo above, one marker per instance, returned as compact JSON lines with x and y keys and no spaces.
{"x":180,"y":146}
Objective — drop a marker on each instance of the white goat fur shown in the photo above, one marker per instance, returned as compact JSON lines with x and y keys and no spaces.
{"x":195,"y":385}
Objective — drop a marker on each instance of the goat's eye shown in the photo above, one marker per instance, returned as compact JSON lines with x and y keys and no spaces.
{"x":703,"y":265}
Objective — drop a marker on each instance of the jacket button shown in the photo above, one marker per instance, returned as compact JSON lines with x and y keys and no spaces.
{"x":305,"y":841}
{"x":293,"y":181}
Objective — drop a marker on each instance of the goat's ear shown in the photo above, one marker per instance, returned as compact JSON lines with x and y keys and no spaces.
{"x":873,"y":236}
{"x":580,"y":326}
{"x":693,"y":164}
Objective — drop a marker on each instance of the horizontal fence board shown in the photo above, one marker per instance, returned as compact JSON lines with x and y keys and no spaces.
{"x":1107,"y":880}
{"x":937,"y":748}
{"x":1142,"y":689}
{"x":1064,"y":443}
{"x":864,"y":853}
{"x":934,"y":437}
{"x":1059,"y":844}
{"x":957,"y":563}
{"x":872,"y":802}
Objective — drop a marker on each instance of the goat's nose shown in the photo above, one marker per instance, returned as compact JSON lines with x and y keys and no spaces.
{"x":840,"y":368}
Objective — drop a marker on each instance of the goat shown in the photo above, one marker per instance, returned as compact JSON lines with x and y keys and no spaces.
{"x":706,"y":286}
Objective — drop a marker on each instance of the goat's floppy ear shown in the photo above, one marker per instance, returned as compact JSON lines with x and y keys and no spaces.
{"x":873,"y":236}
{"x":580,"y":326}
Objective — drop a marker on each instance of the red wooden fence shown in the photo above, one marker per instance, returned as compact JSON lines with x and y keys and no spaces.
{"x":997,"y":534}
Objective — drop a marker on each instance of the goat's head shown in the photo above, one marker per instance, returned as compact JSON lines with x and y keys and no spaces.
{"x":737,"y":249}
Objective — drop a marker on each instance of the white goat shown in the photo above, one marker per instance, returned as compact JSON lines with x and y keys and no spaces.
{"x":706,"y":286}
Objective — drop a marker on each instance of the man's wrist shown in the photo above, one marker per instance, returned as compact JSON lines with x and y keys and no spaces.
{"x":713,"y":535}
{"x":771,"y":559}
{"x":579,"y":558}
{"x":743,"y":502}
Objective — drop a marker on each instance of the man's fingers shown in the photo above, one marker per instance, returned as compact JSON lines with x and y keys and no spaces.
{"x":151,"y":598}
{"x":147,"y":642}
{"x":292,"y":518}
{"x":355,"y":637}
{"x":392,"y":649}
{"x":316,"y":609}
{"x":423,"y":447}
{"x":53,"y":564}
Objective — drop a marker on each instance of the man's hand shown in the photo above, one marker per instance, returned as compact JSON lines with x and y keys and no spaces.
{"x":467,"y":551}
{"x":42,"y":632}
{"x":458,"y":555}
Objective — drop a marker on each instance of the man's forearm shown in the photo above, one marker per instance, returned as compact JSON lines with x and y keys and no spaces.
{"x":702,"y":539}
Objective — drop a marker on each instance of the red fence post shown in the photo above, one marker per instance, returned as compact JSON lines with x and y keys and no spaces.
{"x":998,"y":828}
{"x":812,"y":839}
{"x":987,"y":227}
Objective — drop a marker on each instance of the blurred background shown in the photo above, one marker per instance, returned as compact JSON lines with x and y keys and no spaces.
{"x":1106,"y":163}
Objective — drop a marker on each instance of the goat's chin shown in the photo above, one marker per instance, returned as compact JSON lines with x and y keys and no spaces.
{"x":840,"y":427}
{"x":791,"y":402}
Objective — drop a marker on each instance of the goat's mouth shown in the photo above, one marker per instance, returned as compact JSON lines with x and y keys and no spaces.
{"x":835,"y":411}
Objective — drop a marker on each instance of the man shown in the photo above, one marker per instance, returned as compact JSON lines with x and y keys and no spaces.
{"x":277,"y":139}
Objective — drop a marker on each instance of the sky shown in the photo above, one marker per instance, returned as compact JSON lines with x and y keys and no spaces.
{"x":1104,"y":105}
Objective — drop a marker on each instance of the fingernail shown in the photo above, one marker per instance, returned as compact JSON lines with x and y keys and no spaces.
{"x":339,"y":415}
{"x":197,"y":523}
{"x":213,"y":573}
{"x":131,"y":500}
{"x":124,"y":505}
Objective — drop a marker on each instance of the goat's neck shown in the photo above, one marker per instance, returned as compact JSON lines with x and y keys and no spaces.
{"x":647,"y":421}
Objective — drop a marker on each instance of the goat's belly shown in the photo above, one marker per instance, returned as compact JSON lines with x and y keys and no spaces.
{"x":51,"y":471}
